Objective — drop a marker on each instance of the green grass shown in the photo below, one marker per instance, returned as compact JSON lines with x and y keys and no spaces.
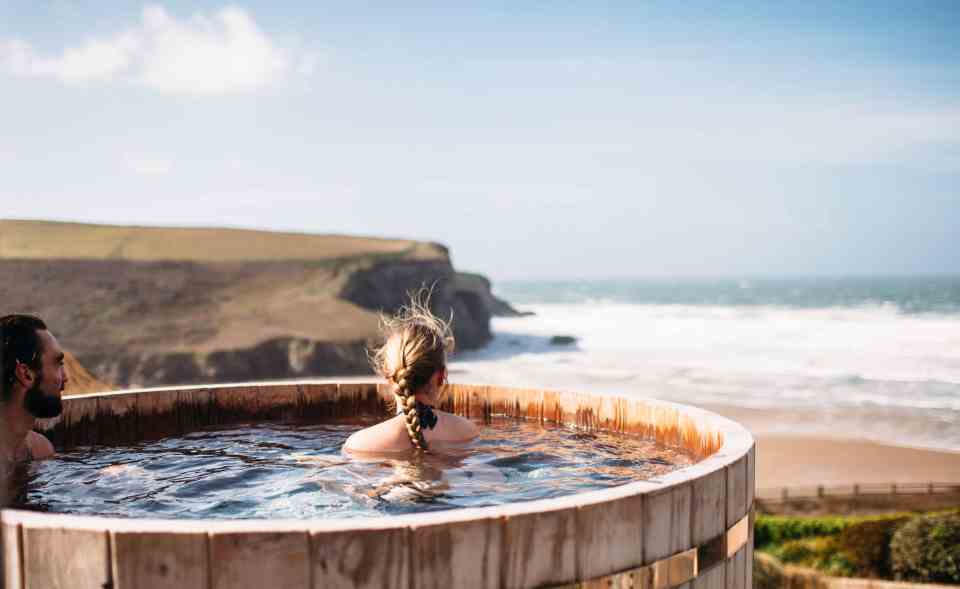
{"x":54,"y":240}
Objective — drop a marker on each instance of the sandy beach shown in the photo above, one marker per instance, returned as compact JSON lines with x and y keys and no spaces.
{"x":788,"y":461}
{"x":794,"y":460}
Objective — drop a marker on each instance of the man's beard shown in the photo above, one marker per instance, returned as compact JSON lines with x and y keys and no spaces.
{"x":41,"y":405}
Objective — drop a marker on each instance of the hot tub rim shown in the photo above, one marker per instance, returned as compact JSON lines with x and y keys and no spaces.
{"x":737,"y":442}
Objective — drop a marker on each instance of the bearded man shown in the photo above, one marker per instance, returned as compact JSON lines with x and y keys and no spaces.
{"x":31,"y":386}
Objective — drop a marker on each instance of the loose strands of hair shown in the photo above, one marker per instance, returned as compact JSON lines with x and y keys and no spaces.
{"x":415,"y":346}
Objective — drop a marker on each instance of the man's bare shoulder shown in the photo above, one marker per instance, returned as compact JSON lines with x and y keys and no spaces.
{"x":40,"y":446}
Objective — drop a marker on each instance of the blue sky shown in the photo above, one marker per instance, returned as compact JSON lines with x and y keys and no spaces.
{"x":555,"y":140}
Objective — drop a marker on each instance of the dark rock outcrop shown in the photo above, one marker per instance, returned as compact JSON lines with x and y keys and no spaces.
{"x":387,"y":286}
{"x":480,"y":287}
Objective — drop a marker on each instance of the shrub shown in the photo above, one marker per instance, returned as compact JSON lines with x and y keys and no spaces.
{"x":866,"y":544}
{"x":795,"y":551}
{"x":927,"y":549}
{"x":767,"y":572}
{"x":776,"y":529}
{"x":820,"y":552}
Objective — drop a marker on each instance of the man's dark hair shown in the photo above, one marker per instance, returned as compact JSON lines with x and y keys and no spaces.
{"x":19,"y":342}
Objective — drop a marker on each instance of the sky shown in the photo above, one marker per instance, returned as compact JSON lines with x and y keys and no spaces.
{"x":536,"y":139}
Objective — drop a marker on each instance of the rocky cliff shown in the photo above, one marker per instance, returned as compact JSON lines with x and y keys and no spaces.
{"x":156,"y":306}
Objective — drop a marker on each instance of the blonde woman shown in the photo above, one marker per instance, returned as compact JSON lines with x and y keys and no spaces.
{"x":413,"y":359}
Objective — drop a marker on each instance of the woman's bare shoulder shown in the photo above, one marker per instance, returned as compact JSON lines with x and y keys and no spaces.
{"x":457,"y":428}
{"x":386,"y":436}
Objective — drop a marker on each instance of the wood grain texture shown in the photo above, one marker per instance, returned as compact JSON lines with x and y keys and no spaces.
{"x":683,"y":567}
{"x":79,"y":422}
{"x":709,"y":507}
{"x":194,"y":410}
{"x":736,"y":491}
{"x":660,"y":574}
{"x":152,"y":560}
{"x":681,"y":505}
{"x":359,"y":399}
{"x":281,"y":401}
{"x":241,"y":560}
{"x":56,"y":558}
{"x":159,"y":414}
{"x":609,"y":537}
{"x":362,"y":559}
{"x":10,"y":575}
{"x":657,"y":526}
{"x":117,"y":419}
{"x":525,"y":403}
{"x":236,"y":403}
{"x":539,"y":549}
{"x":458,"y":554}
{"x":319,"y":400}
{"x":714,"y":578}
{"x":736,"y":575}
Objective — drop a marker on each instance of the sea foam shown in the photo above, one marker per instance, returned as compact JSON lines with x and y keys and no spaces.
{"x":868,"y":371}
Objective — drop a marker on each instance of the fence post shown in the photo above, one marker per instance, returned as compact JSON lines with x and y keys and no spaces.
{"x":784,"y":494}
{"x":893,"y":488}
{"x":929,"y":488}
{"x":820,"y":491}
{"x":856,"y":490}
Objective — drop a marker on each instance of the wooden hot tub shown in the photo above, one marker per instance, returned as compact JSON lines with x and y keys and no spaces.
{"x":690,"y":528}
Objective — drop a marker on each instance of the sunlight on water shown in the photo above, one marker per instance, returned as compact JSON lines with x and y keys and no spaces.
{"x":298,"y":471}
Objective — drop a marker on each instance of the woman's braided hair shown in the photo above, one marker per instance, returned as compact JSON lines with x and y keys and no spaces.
{"x":416,"y":343}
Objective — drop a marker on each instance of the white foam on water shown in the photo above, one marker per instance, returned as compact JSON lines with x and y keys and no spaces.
{"x":863,"y":372}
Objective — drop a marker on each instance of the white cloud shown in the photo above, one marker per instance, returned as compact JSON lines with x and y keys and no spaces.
{"x":148,"y":166}
{"x":221,"y":53}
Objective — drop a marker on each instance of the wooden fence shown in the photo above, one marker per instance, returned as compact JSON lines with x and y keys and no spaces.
{"x":858,"y":498}
{"x":856,"y":490}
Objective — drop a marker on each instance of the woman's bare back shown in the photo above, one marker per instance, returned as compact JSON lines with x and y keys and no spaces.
{"x":391,"y":435}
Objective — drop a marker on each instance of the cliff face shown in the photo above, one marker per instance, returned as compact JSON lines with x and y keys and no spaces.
{"x":277,"y":358}
{"x":138,"y":313}
{"x":384,"y":287}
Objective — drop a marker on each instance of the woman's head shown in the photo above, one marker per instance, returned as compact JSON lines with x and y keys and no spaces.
{"x":413,"y":358}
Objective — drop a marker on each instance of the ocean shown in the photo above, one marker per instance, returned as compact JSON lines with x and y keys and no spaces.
{"x":858,"y":358}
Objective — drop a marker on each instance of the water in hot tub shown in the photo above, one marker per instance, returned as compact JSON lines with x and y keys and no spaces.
{"x":273,"y":470}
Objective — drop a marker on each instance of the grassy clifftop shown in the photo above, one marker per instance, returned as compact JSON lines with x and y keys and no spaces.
{"x":164,"y":306}
{"x":53,"y":240}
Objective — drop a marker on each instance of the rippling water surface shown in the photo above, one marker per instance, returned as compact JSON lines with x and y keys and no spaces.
{"x":298,"y":471}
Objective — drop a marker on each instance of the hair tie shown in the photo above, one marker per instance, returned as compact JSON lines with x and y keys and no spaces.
{"x":428,"y":418}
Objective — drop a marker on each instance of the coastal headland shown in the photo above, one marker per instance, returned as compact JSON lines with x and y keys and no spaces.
{"x":149,"y":306}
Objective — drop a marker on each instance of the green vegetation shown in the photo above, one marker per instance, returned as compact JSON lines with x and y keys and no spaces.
{"x":821,"y":553}
{"x":927,"y":549}
{"x":777,"y":529}
{"x":53,"y":240}
{"x":866,"y":544}
{"x":905,"y":546}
